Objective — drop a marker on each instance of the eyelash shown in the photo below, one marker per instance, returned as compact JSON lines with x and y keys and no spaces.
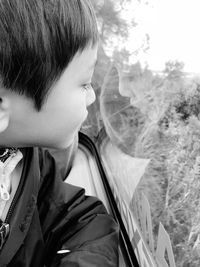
{"x":87,"y":86}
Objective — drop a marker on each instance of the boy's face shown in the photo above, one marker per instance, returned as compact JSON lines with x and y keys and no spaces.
{"x":63,"y":113}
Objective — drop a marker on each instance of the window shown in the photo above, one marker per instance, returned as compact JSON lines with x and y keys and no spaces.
{"x":148,"y":101}
{"x":87,"y":172}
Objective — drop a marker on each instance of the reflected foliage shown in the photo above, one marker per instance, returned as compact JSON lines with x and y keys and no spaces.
{"x":170,"y":138}
{"x":156,"y":116}
{"x":109,"y":19}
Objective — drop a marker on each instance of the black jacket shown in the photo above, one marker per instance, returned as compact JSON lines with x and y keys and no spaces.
{"x":48,"y":215}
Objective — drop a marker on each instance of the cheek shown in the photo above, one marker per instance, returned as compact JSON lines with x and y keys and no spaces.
{"x":67,"y":116}
{"x":76,"y":113}
{"x":75,"y":121}
{"x":64,"y":125}
{"x":72,"y":119}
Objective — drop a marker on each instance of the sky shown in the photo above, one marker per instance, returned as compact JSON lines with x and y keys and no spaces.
{"x":174,"y":30}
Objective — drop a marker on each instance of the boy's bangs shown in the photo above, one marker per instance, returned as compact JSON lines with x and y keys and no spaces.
{"x":76,"y":29}
{"x":88,"y":32}
{"x":83,"y":30}
{"x":39,"y":39}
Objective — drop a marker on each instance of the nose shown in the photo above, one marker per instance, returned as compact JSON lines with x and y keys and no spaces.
{"x":90,"y":97}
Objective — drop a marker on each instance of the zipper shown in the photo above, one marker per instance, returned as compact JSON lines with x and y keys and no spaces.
{"x":4,"y":226}
{"x":17,"y":193}
{"x":4,"y":231}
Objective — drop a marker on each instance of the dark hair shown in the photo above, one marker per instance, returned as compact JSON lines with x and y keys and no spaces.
{"x":38,"y":39}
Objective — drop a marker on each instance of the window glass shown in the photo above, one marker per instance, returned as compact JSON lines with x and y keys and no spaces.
{"x":148,"y":100}
{"x":85,"y":165}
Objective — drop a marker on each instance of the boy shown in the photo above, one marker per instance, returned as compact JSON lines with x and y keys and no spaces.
{"x":48,"y":49}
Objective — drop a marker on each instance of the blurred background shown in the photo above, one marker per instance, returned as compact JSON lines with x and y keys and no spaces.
{"x":147,"y":84}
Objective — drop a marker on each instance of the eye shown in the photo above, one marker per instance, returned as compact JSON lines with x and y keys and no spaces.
{"x":87,"y":86}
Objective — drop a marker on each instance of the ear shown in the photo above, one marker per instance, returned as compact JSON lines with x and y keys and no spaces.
{"x":4,"y":112}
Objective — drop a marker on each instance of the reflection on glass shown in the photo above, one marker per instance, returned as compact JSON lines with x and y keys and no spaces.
{"x":169,"y":137}
{"x":150,"y":106}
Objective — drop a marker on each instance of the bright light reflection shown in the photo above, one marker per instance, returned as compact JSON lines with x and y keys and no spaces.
{"x":173,"y":27}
